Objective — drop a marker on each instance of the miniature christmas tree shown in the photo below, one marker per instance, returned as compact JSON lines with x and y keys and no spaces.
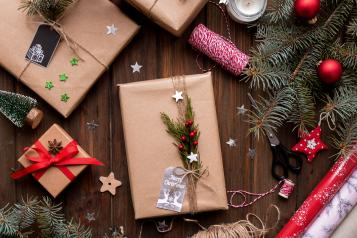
{"x":20,"y":109}
{"x":306,"y":65}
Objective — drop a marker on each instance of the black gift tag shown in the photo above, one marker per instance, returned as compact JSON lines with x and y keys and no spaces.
{"x":43,"y":45}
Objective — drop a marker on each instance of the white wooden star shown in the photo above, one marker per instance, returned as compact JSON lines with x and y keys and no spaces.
{"x":192,"y":157}
{"x":109,"y":183}
{"x":136,"y":67}
{"x":232,"y":142}
{"x":311,"y":144}
{"x":178,"y":96}
{"x":112,"y":30}
{"x":241,"y":110}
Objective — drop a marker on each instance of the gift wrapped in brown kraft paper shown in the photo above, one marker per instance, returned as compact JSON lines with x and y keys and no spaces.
{"x":55,"y":178}
{"x":150,"y":148}
{"x":86,"y":24}
{"x":172,"y":15}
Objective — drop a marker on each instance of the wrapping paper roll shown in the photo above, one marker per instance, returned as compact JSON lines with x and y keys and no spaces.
{"x":348,"y":228}
{"x":319,"y":197}
{"x":219,"y":49}
{"x":333,"y":214}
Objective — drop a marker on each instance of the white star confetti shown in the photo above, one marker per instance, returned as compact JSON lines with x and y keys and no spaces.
{"x":192,"y":157}
{"x":178,"y":96}
{"x":251,"y":153}
{"x":92,"y":125}
{"x":136,"y":67}
{"x":241,"y":110}
{"x":222,"y":1}
{"x":311,"y":144}
{"x":90,"y":216}
{"x":112,"y":30}
{"x":232,"y":142}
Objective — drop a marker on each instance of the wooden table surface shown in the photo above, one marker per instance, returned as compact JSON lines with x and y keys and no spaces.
{"x":161,"y":55}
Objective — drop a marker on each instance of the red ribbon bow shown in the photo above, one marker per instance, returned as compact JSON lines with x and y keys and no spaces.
{"x":45,"y":160}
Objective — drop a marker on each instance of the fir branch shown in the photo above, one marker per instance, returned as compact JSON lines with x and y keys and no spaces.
{"x":73,"y":230}
{"x":345,"y":139}
{"x":352,"y":26}
{"x":271,"y":113}
{"x":49,"y":217}
{"x":50,"y":9}
{"x":279,"y":10}
{"x":345,"y":53}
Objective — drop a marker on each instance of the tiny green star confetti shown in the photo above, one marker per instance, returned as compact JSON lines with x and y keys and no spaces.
{"x":64,"y":97}
{"x":74,"y":61}
{"x":63,"y":77}
{"x":49,"y":85}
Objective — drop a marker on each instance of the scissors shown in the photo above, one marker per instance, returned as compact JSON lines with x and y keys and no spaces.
{"x":282,"y":158}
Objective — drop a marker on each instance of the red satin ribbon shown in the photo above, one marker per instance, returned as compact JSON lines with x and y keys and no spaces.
{"x":45,"y":160}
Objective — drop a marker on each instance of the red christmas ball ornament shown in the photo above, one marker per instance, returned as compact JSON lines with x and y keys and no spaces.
{"x":183,"y":138}
{"x":329,"y":71}
{"x":188,"y":123}
{"x":181,"y":147}
{"x":306,"y":9}
{"x":193,"y":133}
{"x":195,"y":143}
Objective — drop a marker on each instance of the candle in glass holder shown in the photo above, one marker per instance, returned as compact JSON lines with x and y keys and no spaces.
{"x":246,"y":11}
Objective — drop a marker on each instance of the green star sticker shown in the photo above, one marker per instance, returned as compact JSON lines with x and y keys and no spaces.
{"x":64,"y":97}
{"x":49,"y":85}
{"x":63,"y":77}
{"x":74,"y":61}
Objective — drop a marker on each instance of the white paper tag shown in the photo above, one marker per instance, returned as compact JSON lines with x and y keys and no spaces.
{"x":173,"y":189}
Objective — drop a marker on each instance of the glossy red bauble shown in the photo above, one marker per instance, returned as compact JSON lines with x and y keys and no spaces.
{"x":183,"y":138}
{"x":195,"y":143}
{"x":306,"y":9}
{"x":330,"y":71}
{"x":188,"y":123}
{"x":193,"y":134}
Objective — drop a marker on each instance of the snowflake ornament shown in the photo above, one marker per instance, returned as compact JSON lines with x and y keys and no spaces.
{"x":310,"y":144}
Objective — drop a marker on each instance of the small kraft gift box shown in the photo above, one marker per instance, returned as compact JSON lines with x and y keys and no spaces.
{"x":154,"y":163}
{"x":54,"y":160}
{"x":172,"y":15}
{"x":68,"y":54}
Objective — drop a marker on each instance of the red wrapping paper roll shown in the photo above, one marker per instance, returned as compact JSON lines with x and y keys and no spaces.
{"x":319,"y":197}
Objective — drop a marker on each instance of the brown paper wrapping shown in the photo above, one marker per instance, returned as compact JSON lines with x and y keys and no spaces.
{"x":172,"y":15}
{"x":150,"y":150}
{"x":53,"y":180}
{"x":85,"y":23}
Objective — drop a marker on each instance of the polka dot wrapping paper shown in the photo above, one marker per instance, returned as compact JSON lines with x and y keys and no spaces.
{"x":219,"y":49}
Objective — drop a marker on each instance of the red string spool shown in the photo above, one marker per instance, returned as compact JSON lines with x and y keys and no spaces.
{"x":286,"y":189}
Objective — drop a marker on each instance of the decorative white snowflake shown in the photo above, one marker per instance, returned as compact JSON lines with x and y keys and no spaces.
{"x":311,"y":144}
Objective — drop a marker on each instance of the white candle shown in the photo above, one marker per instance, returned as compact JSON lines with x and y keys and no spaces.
{"x":250,"y":7}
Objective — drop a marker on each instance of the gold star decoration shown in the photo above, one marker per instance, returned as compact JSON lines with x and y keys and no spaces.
{"x":109,"y":183}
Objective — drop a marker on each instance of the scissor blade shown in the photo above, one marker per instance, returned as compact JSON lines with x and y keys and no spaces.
{"x":273,"y":139}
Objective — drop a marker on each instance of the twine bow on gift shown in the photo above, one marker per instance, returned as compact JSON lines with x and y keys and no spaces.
{"x":45,"y":160}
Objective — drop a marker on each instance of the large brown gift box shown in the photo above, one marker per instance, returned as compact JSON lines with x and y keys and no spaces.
{"x":150,"y":148}
{"x":85,"y":23}
{"x":53,"y":179}
{"x":172,"y":15}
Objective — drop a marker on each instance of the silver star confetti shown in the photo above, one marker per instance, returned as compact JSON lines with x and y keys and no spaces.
{"x":90,"y":216}
{"x":223,"y":1}
{"x":241,"y":110}
{"x":136,"y":67}
{"x":251,"y":153}
{"x":92,"y":125}
{"x":232,"y":142}
{"x":112,"y":30}
{"x":178,"y":96}
{"x":192,"y":157}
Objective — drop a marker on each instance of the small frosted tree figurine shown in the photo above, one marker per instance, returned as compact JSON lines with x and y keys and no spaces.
{"x":19,"y":109}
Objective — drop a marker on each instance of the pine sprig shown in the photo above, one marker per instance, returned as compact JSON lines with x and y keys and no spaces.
{"x":49,"y":217}
{"x":345,"y":138}
{"x":49,"y":9}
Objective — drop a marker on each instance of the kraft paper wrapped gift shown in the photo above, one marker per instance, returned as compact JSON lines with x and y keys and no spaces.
{"x":53,"y":179}
{"x":85,"y":22}
{"x":150,"y":148}
{"x":172,"y":15}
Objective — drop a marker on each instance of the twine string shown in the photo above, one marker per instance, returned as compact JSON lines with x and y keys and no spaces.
{"x":330,"y":119}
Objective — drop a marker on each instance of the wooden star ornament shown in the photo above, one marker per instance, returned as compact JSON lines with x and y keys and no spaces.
{"x":109,"y":183}
{"x":310,"y":144}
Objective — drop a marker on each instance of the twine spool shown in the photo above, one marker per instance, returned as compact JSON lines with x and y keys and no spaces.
{"x":219,"y":49}
{"x":286,"y":189}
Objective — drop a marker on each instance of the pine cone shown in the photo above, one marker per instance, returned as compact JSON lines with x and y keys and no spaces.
{"x":54,"y":147}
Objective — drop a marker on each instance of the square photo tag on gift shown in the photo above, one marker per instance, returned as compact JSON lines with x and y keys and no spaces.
{"x":43,"y":45}
{"x":173,"y":189}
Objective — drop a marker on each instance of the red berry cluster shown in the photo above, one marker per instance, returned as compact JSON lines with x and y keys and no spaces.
{"x":192,"y":134}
